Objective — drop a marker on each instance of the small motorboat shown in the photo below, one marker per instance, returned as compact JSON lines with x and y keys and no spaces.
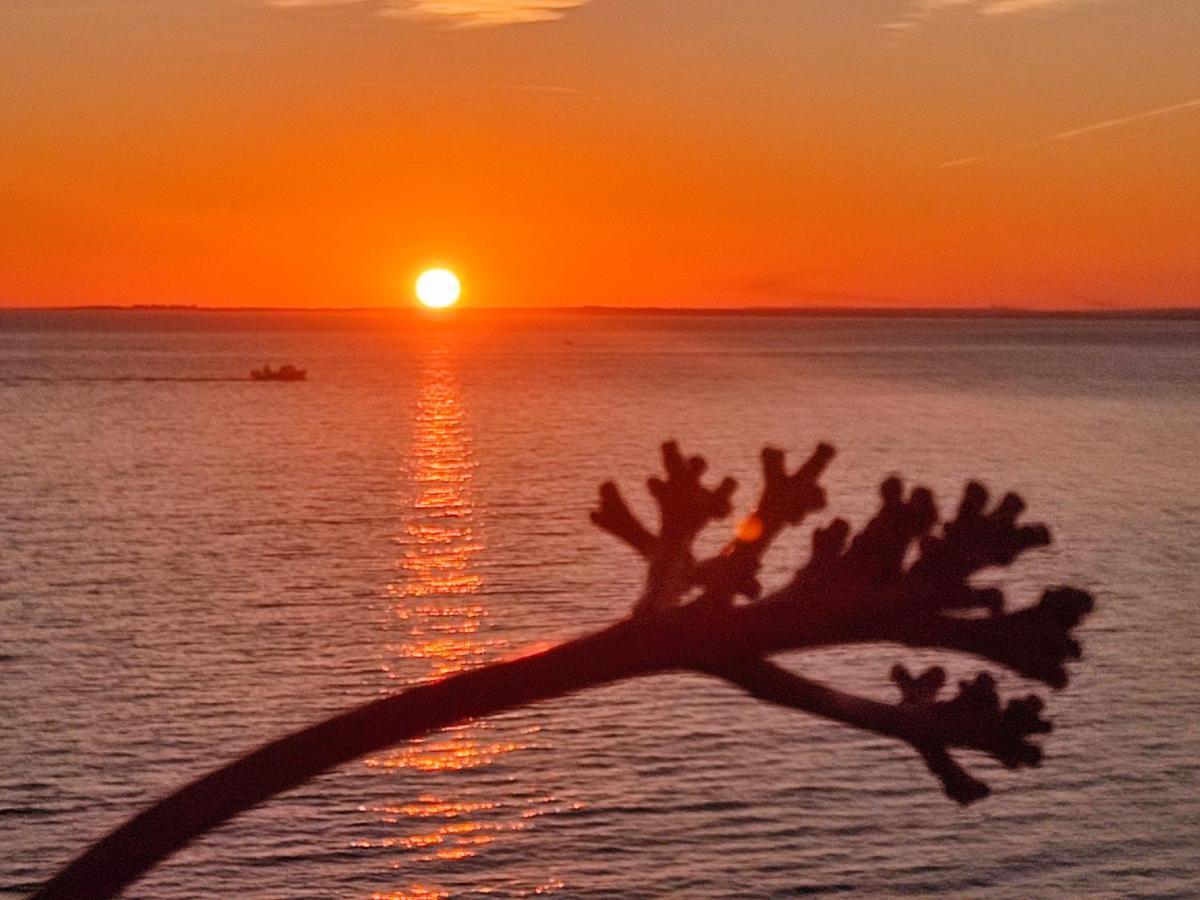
{"x":283,"y":373}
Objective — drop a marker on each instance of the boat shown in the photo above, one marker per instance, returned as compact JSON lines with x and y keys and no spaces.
{"x":283,"y":373}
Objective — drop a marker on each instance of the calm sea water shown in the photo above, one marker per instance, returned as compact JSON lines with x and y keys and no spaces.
{"x":191,"y":565}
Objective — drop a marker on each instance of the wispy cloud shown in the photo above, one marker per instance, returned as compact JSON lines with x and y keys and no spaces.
{"x":1072,"y":133}
{"x":1007,"y":7}
{"x":922,"y":11}
{"x":456,"y":13}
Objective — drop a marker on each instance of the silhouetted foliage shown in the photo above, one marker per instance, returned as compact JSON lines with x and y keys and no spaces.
{"x":711,"y":615}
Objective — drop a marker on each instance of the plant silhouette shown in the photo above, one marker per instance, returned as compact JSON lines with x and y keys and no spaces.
{"x":712,"y":616}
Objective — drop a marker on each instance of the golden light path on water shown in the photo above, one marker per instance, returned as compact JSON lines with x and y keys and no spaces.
{"x":437,"y":615}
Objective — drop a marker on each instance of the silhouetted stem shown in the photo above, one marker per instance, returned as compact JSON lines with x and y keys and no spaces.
{"x":134,"y":848}
{"x":854,"y":593}
{"x":765,"y":680}
{"x":727,"y":641}
{"x":918,"y":726}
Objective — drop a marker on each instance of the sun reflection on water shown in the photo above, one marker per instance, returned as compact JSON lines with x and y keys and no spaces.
{"x":434,"y":610}
{"x":438,"y":624}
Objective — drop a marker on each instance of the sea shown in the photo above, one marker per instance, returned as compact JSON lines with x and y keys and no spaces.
{"x":193,"y":563}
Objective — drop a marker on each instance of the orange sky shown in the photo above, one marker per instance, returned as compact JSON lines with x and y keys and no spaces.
{"x":1036,"y":153}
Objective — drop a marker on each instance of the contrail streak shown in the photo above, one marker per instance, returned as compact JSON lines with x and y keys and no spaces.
{"x":1072,"y":133}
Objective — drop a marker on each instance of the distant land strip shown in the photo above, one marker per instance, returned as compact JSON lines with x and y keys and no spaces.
{"x":898,"y":312}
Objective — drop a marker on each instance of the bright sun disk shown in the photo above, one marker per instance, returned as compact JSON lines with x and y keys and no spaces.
{"x":438,"y":288}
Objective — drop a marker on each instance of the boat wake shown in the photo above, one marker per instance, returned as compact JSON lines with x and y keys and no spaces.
{"x":116,"y":379}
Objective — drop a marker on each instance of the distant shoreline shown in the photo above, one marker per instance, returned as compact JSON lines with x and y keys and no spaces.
{"x":1170,"y":313}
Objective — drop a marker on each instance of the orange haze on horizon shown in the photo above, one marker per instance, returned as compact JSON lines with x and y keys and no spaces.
{"x":1040,"y":154}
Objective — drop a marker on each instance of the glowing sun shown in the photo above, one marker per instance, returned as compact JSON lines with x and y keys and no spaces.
{"x":438,"y":288}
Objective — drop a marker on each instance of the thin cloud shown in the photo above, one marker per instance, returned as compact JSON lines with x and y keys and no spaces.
{"x":1072,"y":133}
{"x":922,"y":11}
{"x":486,"y":12}
{"x":456,"y":13}
{"x":1009,"y":7}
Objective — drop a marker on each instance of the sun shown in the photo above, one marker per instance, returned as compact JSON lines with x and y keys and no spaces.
{"x":438,"y":288}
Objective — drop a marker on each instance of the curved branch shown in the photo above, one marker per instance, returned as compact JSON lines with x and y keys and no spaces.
{"x":973,"y":719}
{"x":709,"y":639}
{"x":1035,"y":641}
{"x":852,"y":590}
{"x":727,"y":641}
{"x":134,"y":848}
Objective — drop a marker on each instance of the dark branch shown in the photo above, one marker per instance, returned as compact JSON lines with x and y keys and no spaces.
{"x":786,"y":500}
{"x":972,"y":719}
{"x":615,"y":517}
{"x":130,"y":851}
{"x":854,"y":589}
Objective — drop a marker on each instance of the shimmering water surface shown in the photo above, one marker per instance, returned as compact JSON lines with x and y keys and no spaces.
{"x":192,"y":563}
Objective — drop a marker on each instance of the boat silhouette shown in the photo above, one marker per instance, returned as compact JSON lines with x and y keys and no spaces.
{"x":283,"y":373}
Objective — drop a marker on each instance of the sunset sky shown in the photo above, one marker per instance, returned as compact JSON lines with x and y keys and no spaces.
{"x":1033,"y":153}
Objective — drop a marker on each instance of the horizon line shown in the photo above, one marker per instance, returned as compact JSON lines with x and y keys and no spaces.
{"x":994,"y":311}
